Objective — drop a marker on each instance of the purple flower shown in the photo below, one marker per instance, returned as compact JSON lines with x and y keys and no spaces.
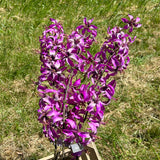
{"x":74,"y":85}
{"x":132,"y":22}
{"x":84,"y":136}
{"x":76,"y":41}
{"x":88,"y":27}
{"x":71,"y":123}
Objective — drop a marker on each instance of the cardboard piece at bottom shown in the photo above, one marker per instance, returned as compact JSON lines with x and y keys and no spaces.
{"x":90,"y":153}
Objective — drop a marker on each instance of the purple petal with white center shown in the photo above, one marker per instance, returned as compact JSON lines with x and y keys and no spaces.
{"x":83,"y":57}
{"x":75,"y":57}
{"x":54,"y":133}
{"x":47,"y":99}
{"x":93,"y":81}
{"x":112,"y":83}
{"x":84,"y":134}
{"x":42,"y":87}
{"x":138,"y":25}
{"x":111,"y":46}
{"x":85,"y":21}
{"x":93,"y":27}
{"x":53,"y":20}
{"x":50,"y":135}
{"x":89,"y":54}
{"x":53,"y":113}
{"x":70,"y":62}
{"x":80,"y":27}
{"x":90,"y":107}
{"x":83,"y":31}
{"x":77,"y":83}
{"x":130,"y":16}
{"x":81,"y":68}
{"x":128,"y":60}
{"x":79,"y":98}
{"x":52,"y":52}
{"x":107,"y":95}
{"x":72,"y":123}
{"x":94,"y":33}
{"x":70,"y":50}
{"x":130,"y":40}
{"x":58,"y":107}
{"x":111,"y":89}
{"x":125,"y":20}
{"x":101,"y":114}
{"x":137,"y":19}
{"x":46,"y":108}
{"x":51,"y":91}
{"x":85,"y":94}
{"x":114,"y":63}
{"x":63,"y":85}
{"x":131,"y":29}
{"x":110,"y":68}
{"x":90,"y":21}
{"x":82,"y":87}
{"x":60,"y":40}
{"x":122,"y":60}
{"x":56,"y":119}
{"x":68,"y":133}
{"x":93,"y":127}
{"x":98,"y":107}
{"x":40,"y":110}
{"x":118,"y":41}
{"x":57,"y":64}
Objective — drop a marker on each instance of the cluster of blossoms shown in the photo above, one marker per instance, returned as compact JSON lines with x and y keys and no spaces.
{"x":74,"y":85}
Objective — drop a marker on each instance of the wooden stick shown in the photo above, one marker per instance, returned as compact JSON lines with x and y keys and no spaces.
{"x":92,"y":154}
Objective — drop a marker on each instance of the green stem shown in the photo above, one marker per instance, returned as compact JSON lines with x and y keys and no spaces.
{"x":64,"y":114}
{"x":85,"y":116}
{"x":56,"y":152}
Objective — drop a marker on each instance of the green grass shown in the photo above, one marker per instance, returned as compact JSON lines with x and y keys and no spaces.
{"x":133,"y":128}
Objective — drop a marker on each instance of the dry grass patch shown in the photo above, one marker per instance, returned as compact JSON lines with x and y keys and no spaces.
{"x":25,"y":147}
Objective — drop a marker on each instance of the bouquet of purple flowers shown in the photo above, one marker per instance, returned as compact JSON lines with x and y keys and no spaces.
{"x":76,"y":85}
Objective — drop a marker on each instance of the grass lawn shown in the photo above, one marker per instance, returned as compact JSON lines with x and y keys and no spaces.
{"x":132,"y":131}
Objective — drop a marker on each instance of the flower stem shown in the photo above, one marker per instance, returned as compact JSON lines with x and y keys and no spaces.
{"x":64,"y":114}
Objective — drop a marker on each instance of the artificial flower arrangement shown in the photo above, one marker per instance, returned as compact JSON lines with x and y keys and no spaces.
{"x":76,"y":85}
